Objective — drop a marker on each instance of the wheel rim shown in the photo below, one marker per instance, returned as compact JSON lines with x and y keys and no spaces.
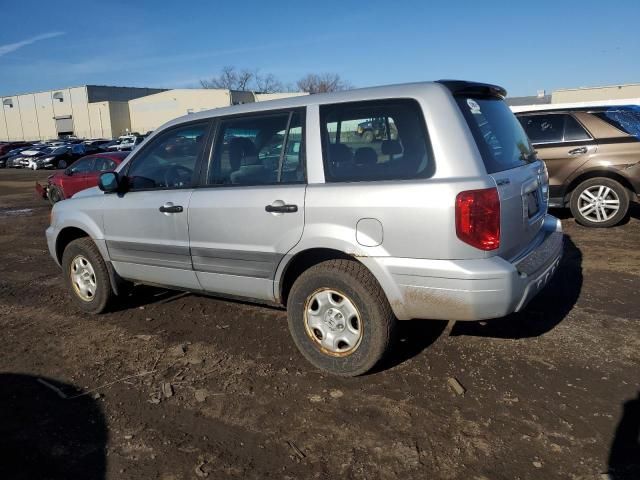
{"x":333,"y":322}
{"x":83,"y":278}
{"x":598,"y":203}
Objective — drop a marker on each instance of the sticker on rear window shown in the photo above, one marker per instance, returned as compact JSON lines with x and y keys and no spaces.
{"x":473,"y":105}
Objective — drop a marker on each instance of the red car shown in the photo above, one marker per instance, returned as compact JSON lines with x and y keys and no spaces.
{"x":82,"y":174}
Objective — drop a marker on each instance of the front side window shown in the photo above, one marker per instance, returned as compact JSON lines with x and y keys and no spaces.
{"x":170,"y":160}
{"x":376,"y":140}
{"x":258,"y":150}
{"x":543,"y":128}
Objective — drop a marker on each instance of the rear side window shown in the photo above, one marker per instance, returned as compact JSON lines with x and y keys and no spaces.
{"x":501,"y":140}
{"x":104,"y":164}
{"x":377,"y":140}
{"x":573,"y":131}
{"x":626,"y":119}
{"x":259,"y":150}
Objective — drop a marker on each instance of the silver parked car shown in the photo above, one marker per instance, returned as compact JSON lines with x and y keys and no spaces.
{"x":284,"y":202}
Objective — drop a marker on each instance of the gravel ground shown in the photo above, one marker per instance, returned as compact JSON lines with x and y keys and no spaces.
{"x":178,"y":386}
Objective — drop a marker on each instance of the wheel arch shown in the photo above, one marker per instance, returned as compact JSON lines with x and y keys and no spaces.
{"x":301,"y":261}
{"x":588,"y":175}
{"x":65,"y":237}
{"x":307,"y":258}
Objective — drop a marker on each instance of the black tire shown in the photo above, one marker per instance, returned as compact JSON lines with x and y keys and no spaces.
{"x":377,"y":320}
{"x":103,"y":295}
{"x":54,"y":194}
{"x":618,"y":192}
{"x":368,"y":136}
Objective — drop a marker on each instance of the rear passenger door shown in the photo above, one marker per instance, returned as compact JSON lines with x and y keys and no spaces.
{"x":562,"y":143}
{"x":249,"y":212}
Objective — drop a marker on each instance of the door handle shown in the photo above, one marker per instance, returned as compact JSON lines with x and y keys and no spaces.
{"x":578,"y":151}
{"x":170,"y":208}
{"x":281,"y":208}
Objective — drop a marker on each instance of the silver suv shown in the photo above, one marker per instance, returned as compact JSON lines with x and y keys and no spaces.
{"x":283,"y":202}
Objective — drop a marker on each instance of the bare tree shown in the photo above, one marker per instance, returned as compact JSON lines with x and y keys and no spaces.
{"x":231,"y":79}
{"x":322,"y":83}
{"x":267,"y":83}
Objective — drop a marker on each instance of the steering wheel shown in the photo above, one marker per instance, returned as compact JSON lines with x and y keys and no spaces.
{"x":177,"y":176}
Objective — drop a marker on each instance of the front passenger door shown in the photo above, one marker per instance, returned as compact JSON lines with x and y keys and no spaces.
{"x":146,"y":228}
{"x":76,"y":176}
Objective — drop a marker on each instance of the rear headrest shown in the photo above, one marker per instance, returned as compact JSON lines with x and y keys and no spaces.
{"x":391,"y":147}
{"x":365,"y":156}
{"x":339,"y":153}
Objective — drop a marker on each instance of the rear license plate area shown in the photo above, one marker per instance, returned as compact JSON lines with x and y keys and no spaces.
{"x":532,"y":203}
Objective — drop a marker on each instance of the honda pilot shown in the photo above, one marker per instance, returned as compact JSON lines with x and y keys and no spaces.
{"x":281,"y":202}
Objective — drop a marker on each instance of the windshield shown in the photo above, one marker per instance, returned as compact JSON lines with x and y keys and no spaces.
{"x":501,"y":140}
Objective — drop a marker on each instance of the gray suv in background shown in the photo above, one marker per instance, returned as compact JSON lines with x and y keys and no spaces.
{"x":284,"y":202}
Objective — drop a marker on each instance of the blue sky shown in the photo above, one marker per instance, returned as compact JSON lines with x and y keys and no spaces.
{"x":524,"y":46}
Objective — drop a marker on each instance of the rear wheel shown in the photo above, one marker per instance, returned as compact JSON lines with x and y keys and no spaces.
{"x":86,"y":276}
{"x":340,"y":318}
{"x":599,"y":202}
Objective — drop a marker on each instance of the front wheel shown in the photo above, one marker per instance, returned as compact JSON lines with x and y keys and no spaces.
{"x":54,"y":194}
{"x":339,"y":317}
{"x":599,"y":202}
{"x":86,"y":276}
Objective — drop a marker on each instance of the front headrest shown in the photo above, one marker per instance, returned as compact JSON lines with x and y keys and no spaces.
{"x":339,"y":153}
{"x":365,"y":156}
{"x":391,"y":147}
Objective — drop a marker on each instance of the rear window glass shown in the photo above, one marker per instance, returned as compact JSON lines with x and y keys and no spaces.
{"x":626,"y":119}
{"x":501,"y":140}
{"x":376,"y":140}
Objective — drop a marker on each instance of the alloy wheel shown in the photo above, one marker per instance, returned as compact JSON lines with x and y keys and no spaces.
{"x":598,"y":203}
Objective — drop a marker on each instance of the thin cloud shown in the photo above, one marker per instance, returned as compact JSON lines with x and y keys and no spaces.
{"x":12,"y":47}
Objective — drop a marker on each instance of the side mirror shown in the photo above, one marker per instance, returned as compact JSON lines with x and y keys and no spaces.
{"x":68,"y":172}
{"x":109,"y":182}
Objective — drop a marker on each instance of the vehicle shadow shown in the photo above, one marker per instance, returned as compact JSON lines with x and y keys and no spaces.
{"x":544,"y":312}
{"x":634,"y":211}
{"x":44,"y":435}
{"x":412,"y":337}
{"x":144,"y":295}
{"x":624,"y":455}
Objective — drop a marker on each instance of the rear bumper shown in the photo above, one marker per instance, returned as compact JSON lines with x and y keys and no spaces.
{"x":470,"y":289}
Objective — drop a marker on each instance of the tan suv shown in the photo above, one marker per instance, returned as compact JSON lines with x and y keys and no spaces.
{"x":593,"y":159}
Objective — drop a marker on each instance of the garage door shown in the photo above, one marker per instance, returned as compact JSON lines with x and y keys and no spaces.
{"x":64,"y":125}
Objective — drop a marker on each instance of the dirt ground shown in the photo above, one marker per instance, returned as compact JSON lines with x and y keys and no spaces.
{"x":179,"y":386}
